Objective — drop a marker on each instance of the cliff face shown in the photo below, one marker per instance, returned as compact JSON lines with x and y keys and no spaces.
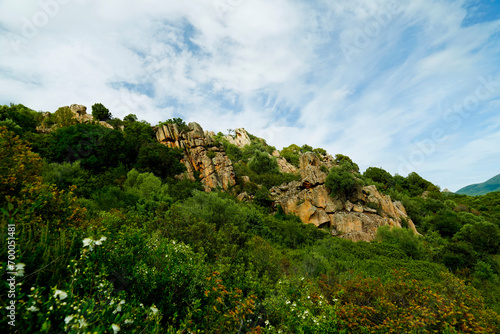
{"x":200,"y":155}
{"x":356,"y":218}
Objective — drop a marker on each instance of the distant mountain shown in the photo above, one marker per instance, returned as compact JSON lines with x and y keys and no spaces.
{"x":491,"y":185}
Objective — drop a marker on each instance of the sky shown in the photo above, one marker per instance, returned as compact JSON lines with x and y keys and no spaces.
{"x":402,"y":85}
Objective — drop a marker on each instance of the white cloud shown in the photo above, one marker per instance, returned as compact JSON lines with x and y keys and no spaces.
{"x":369,"y":79}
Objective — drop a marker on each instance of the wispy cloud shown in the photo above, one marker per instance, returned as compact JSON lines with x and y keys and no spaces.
{"x":379,"y":81}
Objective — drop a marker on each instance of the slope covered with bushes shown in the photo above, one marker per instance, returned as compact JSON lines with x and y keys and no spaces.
{"x":107,"y":242}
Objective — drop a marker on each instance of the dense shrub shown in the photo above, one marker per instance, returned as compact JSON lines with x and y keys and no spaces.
{"x":341,"y":182}
{"x":262,"y":163}
{"x":407,"y":305}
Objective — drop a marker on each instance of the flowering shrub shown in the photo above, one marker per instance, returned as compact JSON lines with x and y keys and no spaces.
{"x":405,"y":305}
{"x":85,"y":303}
{"x":297,"y":306}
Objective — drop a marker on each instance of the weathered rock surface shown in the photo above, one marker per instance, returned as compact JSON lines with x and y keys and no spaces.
{"x":214,"y":167}
{"x":356,"y":218}
{"x":80,"y":114}
{"x":284,"y":166}
{"x":240,"y":139}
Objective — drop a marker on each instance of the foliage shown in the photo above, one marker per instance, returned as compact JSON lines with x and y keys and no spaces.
{"x":86,"y":301}
{"x":406,"y":305}
{"x":379,"y":175}
{"x":96,"y":147}
{"x":139,"y":250}
{"x":100,"y":112}
{"x":64,"y":117}
{"x":179,"y":122}
{"x":160,"y":160}
{"x":130,"y":118}
{"x":19,"y":165}
{"x":346,"y":163}
{"x":483,"y":236}
{"x":291,"y":154}
{"x":341,"y":182}
{"x":64,"y":175}
{"x":262,"y":163}
{"x":19,"y":119}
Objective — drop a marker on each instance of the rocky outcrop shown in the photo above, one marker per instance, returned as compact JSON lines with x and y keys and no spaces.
{"x":80,"y":114}
{"x":200,"y":156}
{"x":356,"y":218}
{"x":240,"y":138}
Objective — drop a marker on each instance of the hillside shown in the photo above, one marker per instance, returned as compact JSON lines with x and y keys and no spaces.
{"x":491,"y":185}
{"x":119,"y":226}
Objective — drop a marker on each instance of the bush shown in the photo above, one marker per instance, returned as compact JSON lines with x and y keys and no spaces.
{"x":262,"y":163}
{"x":379,"y":175}
{"x":346,"y":163}
{"x":483,"y":236}
{"x":405,"y":305}
{"x":160,"y":160}
{"x":341,"y":182}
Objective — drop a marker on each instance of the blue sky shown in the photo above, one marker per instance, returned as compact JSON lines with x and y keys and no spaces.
{"x":402,"y":85}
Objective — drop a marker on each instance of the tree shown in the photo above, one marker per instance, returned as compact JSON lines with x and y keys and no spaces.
{"x":19,"y":118}
{"x":130,"y":118}
{"x":64,"y":117}
{"x":100,"y":112}
{"x":379,"y":175}
{"x":341,"y":182}
{"x":160,"y":160}
{"x":98,"y":148}
{"x":18,"y":165}
{"x":484,"y":236}
{"x":346,"y":162}
{"x":262,"y":163}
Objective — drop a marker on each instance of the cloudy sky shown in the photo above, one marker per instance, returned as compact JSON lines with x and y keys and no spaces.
{"x":402,"y":85}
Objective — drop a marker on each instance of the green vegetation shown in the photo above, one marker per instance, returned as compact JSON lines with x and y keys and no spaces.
{"x":181,"y":125}
{"x":108,"y":241}
{"x":100,"y":112}
{"x":341,"y":181}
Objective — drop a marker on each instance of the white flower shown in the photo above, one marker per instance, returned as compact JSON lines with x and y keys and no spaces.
{"x":154,"y":309}
{"x":20,"y":269}
{"x":122,"y":301}
{"x":128,"y":321}
{"x":88,"y":242}
{"x":267,"y":322}
{"x":61,"y":294}
{"x":33,"y":308}
{"x":115,"y":328}
{"x":99,"y":242}
{"x":82,"y":323}
{"x":288,"y":302}
{"x":68,"y":319}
